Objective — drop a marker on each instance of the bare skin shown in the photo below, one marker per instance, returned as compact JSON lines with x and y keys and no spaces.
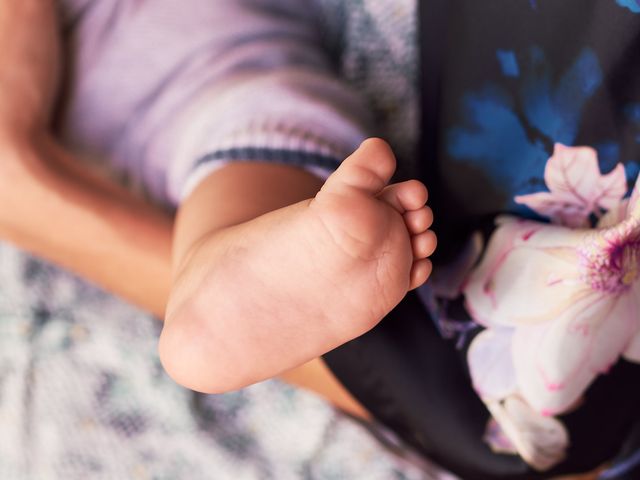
{"x":29,"y":72}
{"x":255,"y":299}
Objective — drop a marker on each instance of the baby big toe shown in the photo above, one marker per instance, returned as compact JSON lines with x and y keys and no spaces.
{"x":405,"y":196}
{"x":368,"y":169}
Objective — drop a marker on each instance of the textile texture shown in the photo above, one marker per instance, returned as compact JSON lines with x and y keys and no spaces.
{"x":83,"y":396}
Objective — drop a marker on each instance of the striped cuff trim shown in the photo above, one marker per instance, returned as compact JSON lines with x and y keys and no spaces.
{"x":287,"y":157}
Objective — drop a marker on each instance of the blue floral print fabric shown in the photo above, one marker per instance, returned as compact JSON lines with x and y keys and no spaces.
{"x":521,"y":81}
{"x":521,"y":76}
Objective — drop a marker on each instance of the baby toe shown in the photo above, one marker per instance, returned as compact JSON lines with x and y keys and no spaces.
{"x":420,"y":272}
{"x":423,"y":244}
{"x":418,"y":221}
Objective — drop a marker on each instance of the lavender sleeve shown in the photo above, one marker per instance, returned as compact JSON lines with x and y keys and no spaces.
{"x":277,"y":100}
{"x":186,"y":87}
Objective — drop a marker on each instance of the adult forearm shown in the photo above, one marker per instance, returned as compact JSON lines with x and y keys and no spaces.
{"x":29,"y":70}
{"x":85,"y":224}
{"x":48,"y":206}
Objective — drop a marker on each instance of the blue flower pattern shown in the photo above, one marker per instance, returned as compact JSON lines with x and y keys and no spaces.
{"x":633,"y":5}
{"x":508,"y":134}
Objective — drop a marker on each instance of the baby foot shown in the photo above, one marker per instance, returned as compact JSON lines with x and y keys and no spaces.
{"x":380,"y":231}
{"x":267,"y":295}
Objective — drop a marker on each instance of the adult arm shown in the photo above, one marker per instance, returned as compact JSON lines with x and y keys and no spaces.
{"x":50,"y":206}
{"x":84,"y":223}
{"x":29,"y":71}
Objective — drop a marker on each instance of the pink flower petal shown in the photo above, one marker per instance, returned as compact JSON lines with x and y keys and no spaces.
{"x":632,"y":352}
{"x":614,"y":216}
{"x":497,"y":440}
{"x":526,"y":343}
{"x":560,"y":208}
{"x":613,"y":334}
{"x":572,"y":169}
{"x":575,"y":171}
{"x":556,"y":362}
{"x":491,"y":365}
{"x":479,"y":303}
{"x":577,"y":188}
{"x":528,"y":274}
{"x":541,"y":441}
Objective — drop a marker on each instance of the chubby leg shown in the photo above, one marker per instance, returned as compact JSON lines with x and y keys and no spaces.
{"x":255,"y":295}
{"x":318,"y":378}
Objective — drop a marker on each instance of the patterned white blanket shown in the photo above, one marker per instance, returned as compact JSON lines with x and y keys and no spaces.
{"x":83,"y":396}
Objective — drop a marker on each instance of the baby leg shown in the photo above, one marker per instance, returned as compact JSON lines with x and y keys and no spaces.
{"x":256,"y":293}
